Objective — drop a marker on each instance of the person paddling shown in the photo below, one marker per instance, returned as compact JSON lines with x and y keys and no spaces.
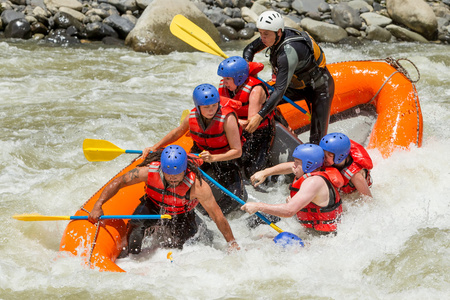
{"x":314,"y":195}
{"x":174,"y":186}
{"x":218,"y":139}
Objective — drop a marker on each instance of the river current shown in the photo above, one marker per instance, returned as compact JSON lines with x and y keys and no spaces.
{"x":52,"y":98}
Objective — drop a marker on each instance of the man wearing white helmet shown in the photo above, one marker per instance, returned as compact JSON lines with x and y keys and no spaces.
{"x":299,"y":71}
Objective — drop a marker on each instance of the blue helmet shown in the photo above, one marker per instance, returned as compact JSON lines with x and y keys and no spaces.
{"x":338,"y":144}
{"x":173,"y":160}
{"x":311,"y":155}
{"x":205,"y":94}
{"x":235,"y":67}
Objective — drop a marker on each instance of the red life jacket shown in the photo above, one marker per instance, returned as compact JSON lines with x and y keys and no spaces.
{"x":241,"y":98}
{"x":174,"y":201}
{"x":361,"y":160}
{"x":213,"y":138}
{"x":317,"y":217}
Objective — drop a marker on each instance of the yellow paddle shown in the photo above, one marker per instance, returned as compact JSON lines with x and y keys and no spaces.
{"x":189,"y":32}
{"x":38,"y":217}
{"x":184,"y":114}
{"x":101,"y":150}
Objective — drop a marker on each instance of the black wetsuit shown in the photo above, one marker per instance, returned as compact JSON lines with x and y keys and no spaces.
{"x":176,"y":230}
{"x":298,"y":76}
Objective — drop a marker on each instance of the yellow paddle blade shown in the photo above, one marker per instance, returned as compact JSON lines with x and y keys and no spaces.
{"x":193,"y":35}
{"x":184,"y":115}
{"x":37,"y":217}
{"x":100,"y":150}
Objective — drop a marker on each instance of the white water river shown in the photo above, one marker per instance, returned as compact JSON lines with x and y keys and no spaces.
{"x":52,"y":98}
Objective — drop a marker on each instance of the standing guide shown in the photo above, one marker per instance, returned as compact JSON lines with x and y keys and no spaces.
{"x":299,"y":71}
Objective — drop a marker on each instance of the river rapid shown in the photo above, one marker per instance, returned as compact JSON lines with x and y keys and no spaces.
{"x":52,"y":98}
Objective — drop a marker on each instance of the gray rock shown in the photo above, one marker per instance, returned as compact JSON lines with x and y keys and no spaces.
{"x":353,"y":31}
{"x":228,"y":33}
{"x":18,"y":29}
{"x":376,"y":19}
{"x":414,"y":14}
{"x":11,"y":15}
{"x":360,"y":6}
{"x":376,"y":33}
{"x":246,"y":33}
{"x":405,"y":34}
{"x":121,"y":25}
{"x":323,"y":32}
{"x":64,"y":20}
{"x":236,"y":23}
{"x":98,"y":31}
{"x":305,"y":6}
{"x":151,"y":33}
{"x":124,"y":5}
{"x":345,"y":16}
{"x":59,"y":36}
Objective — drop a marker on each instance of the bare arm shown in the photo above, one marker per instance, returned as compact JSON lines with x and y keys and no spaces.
{"x":260,"y":176}
{"x":313,"y":189}
{"x":234,"y":140}
{"x":203,"y":193}
{"x":360,"y":184}
{"x":256,"y":100}
{"x":134,"y":176}
{"x":171,"y":137}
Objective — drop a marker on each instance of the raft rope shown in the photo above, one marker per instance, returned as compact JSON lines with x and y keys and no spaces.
{"x":97,"y":225}
{"x":400,"y":69}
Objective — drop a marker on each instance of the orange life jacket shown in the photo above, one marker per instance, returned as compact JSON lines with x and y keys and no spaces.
{"x":361,"y":160}
{"x":175,"y":200}
{"x":317,"y":217}
{"x":213,"y":138}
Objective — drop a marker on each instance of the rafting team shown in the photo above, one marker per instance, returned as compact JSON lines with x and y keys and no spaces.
{"x":233,"y":129}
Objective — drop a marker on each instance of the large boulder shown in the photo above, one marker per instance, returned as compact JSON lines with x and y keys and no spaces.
{"x":414,"y":14}
{"x":152,"y":34}
{"x":323,"y":32}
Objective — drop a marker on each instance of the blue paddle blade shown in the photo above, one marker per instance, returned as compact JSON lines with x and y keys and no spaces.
{"x":288,"y":239}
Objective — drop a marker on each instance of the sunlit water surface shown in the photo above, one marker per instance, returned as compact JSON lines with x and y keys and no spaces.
{"x":396,"y":247}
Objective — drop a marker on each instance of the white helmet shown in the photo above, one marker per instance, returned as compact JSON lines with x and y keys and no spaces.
{"x":270,"y":20}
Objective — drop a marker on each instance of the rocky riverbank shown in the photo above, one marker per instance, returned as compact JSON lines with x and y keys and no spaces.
{"x":70,"y":22}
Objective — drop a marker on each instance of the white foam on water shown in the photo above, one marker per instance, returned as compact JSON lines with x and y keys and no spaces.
{"x":395,"y":246}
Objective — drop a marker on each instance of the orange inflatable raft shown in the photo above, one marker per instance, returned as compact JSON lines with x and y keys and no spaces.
{"x":382,"y":84}
{"x":385,"y":85}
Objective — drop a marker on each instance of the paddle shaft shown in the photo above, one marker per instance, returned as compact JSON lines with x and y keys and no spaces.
{"x":37,"y":217}
{"x":131,"y":217}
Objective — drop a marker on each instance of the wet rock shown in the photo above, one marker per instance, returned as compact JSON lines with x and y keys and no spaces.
{"x":151,"y":33}
{"x":18,"y":29}
{"x":120,"y":24}
{"x":345,"y":16}
{"x":417,"y":15}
